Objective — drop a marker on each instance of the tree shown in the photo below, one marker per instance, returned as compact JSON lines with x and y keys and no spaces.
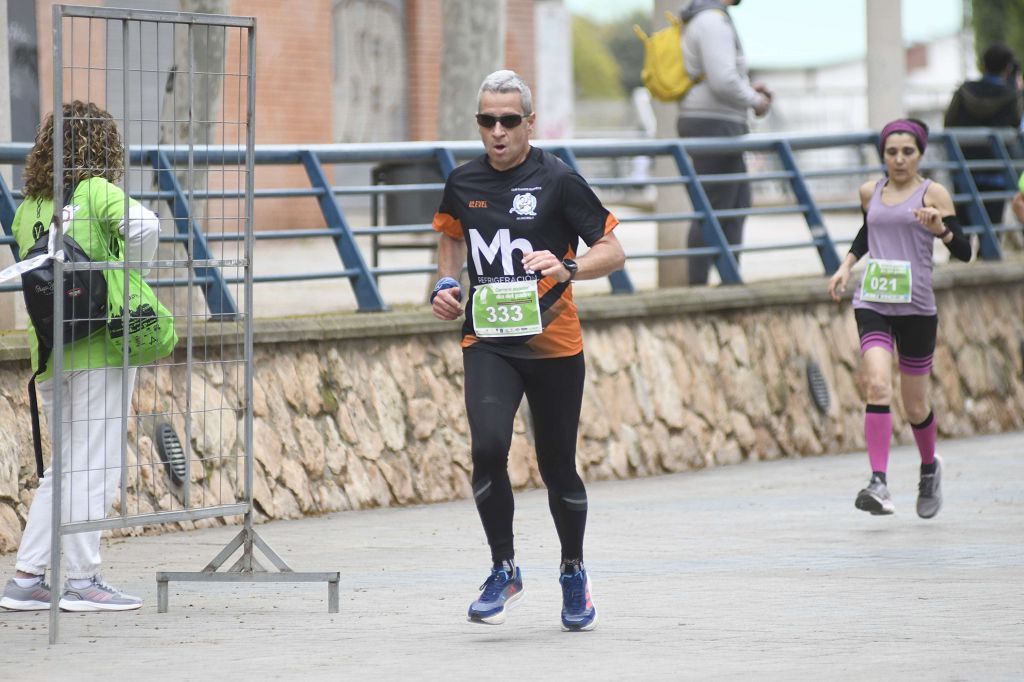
{"x":185,"y":118}
{"x":469,"y":52}
{"x":626,"y":48}
{"x":998,"y":21}
{"x":594,"y":69}
{"x":195,"y":120}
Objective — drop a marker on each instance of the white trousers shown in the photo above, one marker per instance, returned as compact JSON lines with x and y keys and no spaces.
{"x":91,"y":423}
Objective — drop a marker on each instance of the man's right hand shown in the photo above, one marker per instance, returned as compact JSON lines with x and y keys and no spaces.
{"x":447,"y":304}
{"x":763,"y":106}
{"x":766,"y":99}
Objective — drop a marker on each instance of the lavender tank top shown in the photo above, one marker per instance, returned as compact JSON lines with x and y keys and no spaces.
{"x":895,"y":234}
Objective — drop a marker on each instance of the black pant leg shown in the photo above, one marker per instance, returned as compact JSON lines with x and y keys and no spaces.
{"x":494,"y":391}
{"x":721,"y":196}
{"x":554,"y":389}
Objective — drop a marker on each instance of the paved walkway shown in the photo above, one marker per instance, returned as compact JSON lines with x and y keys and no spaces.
{"x":757,"y":571}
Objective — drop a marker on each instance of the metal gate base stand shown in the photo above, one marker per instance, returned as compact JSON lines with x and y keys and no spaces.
{"x":247,"y":570}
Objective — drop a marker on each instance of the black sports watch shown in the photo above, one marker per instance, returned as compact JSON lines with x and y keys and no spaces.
{"x":570,"y":265}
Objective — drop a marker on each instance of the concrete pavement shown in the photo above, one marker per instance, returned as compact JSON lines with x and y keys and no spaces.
{"x":757,"y":571}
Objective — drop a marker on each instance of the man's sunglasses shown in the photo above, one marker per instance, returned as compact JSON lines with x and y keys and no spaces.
{"x":506,"y":120}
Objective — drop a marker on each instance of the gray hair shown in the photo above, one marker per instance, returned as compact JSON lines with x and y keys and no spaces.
{"x":507,"y":81}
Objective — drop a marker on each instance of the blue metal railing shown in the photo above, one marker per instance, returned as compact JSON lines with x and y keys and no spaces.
{"x":786,"y":150}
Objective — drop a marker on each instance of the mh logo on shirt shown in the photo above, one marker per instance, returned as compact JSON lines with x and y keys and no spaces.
{"x":502,"y":243}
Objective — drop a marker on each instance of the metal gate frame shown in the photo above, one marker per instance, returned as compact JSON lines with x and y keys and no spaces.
{"x":247,"y":568}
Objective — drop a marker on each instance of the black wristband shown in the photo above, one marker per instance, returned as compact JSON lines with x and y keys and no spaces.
{"x":445,"y":283}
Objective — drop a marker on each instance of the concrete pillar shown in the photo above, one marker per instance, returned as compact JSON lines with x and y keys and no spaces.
{"x":553,"y":85}
{"x":7,"y":301}
{"x":469,"y":52}
{"x":886,"y":62}
{"x":671,"y":198}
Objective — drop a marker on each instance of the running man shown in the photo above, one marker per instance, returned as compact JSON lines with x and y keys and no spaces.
{"x":895,"y":305}
{"x":519,"y":213}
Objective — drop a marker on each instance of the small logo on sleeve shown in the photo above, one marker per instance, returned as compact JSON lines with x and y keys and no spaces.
{"x":477,"y":203}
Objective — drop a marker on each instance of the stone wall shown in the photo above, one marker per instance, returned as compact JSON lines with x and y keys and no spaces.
{"x":360,"y":411}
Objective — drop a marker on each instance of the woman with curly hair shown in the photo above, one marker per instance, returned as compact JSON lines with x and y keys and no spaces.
{"x":107,"y":225}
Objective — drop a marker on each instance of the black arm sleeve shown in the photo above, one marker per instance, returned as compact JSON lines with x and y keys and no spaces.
{"x":860,"y":243}
{"x":959,"y":246}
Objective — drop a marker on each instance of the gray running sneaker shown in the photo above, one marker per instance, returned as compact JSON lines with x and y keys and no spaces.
{"x":98,"y":596}
{"x":875,"y":498}
{"x":35,"y":598}
{"x":929,"y":492}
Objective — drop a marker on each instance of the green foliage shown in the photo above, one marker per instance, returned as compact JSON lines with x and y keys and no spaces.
{"x":594,"y":69}
{"x":1015,"y":27}
{"x":998,"y":21}
{"x":627,"y":48}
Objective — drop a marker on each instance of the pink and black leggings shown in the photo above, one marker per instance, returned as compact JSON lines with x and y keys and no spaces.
{"x":913,"y":336}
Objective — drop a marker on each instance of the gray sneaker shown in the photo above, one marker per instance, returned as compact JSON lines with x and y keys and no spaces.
{"x":35,"y":598}
{"x":929,"y":492}
{"x":875,"y":498}
{"x":98,"y":596}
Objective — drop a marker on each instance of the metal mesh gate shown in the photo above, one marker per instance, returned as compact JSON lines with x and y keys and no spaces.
{"x":157,"y":134}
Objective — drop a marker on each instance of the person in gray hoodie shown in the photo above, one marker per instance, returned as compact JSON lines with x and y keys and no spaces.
{"x":717,"y":106}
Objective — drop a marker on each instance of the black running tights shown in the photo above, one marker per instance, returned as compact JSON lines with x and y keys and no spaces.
{"x":495,"y":386}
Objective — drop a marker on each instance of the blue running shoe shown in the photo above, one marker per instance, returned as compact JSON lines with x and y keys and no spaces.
{"x":500,"y":592}
{"x":578,"y":612}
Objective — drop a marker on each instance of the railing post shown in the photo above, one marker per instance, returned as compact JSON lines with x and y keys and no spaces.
{"x":7,"y":210}
{"x":1003,"y":154}
{"x":815,"y":222}
{"x":218,"y":299}
{"x":725,"y":261}
{"x":445,"y":160}
{"x":988,"y":242}
{"x":363,"y":284}
{"x":620,"y":281}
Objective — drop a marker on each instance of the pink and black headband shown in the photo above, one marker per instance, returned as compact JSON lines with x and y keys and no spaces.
{"x":904,"y":125}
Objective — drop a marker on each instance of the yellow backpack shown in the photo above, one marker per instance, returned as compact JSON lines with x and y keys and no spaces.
{"x":664,"y":73}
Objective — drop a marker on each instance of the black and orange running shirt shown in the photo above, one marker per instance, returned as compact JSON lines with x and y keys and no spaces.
{"x":540,"y":205}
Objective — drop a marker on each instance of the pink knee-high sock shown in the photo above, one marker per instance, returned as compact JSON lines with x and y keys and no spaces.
{"x":877,"y":434}
{"x":924,"y":434}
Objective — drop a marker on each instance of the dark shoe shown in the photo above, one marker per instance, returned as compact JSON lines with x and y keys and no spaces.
{"x":875,"y":498}
{"x":929,"y":492}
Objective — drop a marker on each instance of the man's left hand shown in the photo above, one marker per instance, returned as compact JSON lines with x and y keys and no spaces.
{"x":547,"y":264}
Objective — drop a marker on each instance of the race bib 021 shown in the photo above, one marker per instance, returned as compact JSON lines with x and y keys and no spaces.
{"x":887,"y":281}
{"x":506,"y":309}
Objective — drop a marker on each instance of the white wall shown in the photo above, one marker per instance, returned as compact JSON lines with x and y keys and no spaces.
{"x":834,"y":97}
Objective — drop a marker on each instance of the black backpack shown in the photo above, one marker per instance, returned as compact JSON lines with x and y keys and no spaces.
{"x":85,"y":311}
